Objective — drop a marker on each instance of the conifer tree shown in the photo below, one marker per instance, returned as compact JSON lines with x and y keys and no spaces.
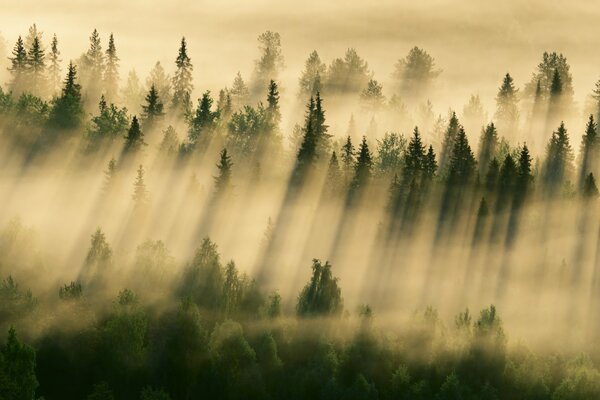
{"x":54,"y":67}
{"x":36,"y":68}
{"x":132,"y":94}
{"x":140,"y":193}
{"x":448,"y":142}
{"x":590,"y":190}
{"x":321,"y":296}
{"x":589,"y":150}
{"x":507,"y":109}
{"x":555,"y":104}
{"x":491,"y":176}
{"x":334,"y":176}
{"x":415,"y":157}
{"x":182,"y":81}
{"x":559,"y":158}
{"x":506,"y":180}
{"x":415,"y":73}
{"x":524,"y":174}
{"x":488,"y":146}
{"x":92,"y":68}
{"x":17,"y":369}
{"x":461,"y":168}
{"x":110,"y":123}
{"x":204,"y":119}
{"x":111,"y":74}
{"x":372,"y":96}
{"x":273,"y":114}
{"x":18,"y":68}
{"x":240,"y":94}
{"x":223,"y":179}
{"x":320,"y":128}
{"x":153,"y":109}
{"x":348,"y":157}
{"x":430,"y":164}
{"x":67,"y":110}
{"x":307,"y":153}
{"x":134,"y":141}
{"x":110,"y":174}
{"x":363,"y":166}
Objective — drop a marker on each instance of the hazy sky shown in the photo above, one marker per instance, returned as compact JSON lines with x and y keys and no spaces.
{"x":474,"y":42}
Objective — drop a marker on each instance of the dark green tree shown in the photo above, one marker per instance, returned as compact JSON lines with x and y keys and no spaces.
{"x":363,"y":167}
{"x":415,"y":157}
{"x":223,"y":179}
{"x":18,"y":68}
{"x":36,"y":68}
{"x":347,"y":156}
{"x":321,"y":296}
{"x":153,"y":108}
{"x":110,"y":123}
{"x":448,"y":142}
{"x":430,"y":163}
{"x":54,"y":67}
{"x":488,"y":146}
{"x":589,"y":150}
{"x":134,"y":141}
{"x":67,"y":109}
{"x":204,"y":120}
{"x":590,"y":190}
{"x":461,"y":168}
{"x":558,"y":163}
{"x":273,"y":113}
{"x":507,"y":107}
{"x":17,"y":369}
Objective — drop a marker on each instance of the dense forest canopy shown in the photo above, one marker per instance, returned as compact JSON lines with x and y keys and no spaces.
{"x":340,"y":234}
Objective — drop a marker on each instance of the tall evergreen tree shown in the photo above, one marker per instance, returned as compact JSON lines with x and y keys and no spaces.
{"x":92,"y":68}
{"x":134,"y":141}
{"x":161,"y":81}
{"x":240,"y":94}
{"x":182,"y":81}
{"x":67,"y":110}
{"x":153,"y":109}
{"x":415,"y":73}
{"x":204,"y":120}
{"x":430,"y":163}
{"x":18,"y":68}
{"x":307,"y":153}
{"x":140,"y":192}
{"x":414,"y":158}
{"x":36,"y":67}
{"x":334,"y":177}
{"x":461,"y":168}
{"x":273,"y":113}
{"x":17,"y":369}
{"x":363,"y":167}
{"x":347,"y":156}
{"x":488,"y":146}
{"x":54,"y":67}
{"x":589,"y":189}
{"x":559,"y":158}
{"x":320,"y":128}
{"x":223,"y":179}
{"x":270,"y":63}
{"x":448,"y":142}
{"x":507,"y":108}
{"x":111,"y":74}
{"x":589,"y":150}
{"x":524,"y":174}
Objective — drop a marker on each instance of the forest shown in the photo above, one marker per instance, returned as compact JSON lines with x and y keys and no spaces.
{"x":319,"y":238}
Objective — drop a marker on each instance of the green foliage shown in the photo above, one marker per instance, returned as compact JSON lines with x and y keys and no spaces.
{"x":67,"y":109}
{"x":17,"y":369}
{"x":321,"y":296}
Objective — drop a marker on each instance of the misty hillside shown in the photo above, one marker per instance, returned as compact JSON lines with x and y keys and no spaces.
{"x":309,"y":229}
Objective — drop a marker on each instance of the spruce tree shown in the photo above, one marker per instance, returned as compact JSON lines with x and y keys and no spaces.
{"x":415,"y":157}
{"x":333,"y":180}
{"x":307,"y":153}
{"x":448,"y":142}
{"x":161,"y":81}
{"x":507,"y":109}
{"x":461,"y":168}
{"x":140,"y":192}
{"x":240,"y":94}
{"x":67,"y":110}
{"x":430,"y":167}
{"x":18,"y":68}
{"x":223,"y":179}
{"x":54,"y":67}
{"x":559,"y":158}
{"x":273,"y":114}
{"x":204,"y":120}
{"x":590,"y":190}
{"x":93,"y":67}
{"x":36,"y":68}
{"x":524,"y":173}
{"x":491,"y":176}
{"x":111,"y":74}
{"x":323,"y":138}
{"x":134,"y":141}
{"x":589,"y":150}
{"x":153,"y":109}
{"x":182,"y":81}
{"x":347,"y":156}
{"x":507,"y":180}
{"x":363,"y":166}
{"x":488,"y":146}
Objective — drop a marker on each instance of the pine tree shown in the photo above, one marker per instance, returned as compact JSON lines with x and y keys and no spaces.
{"x":223,"y":179}
{"x":153,"y":109}
{"x":506,"y":180}
{"x":67,"y":110}
{"x":307,"y":153}
{"x":461,"y":169}
{"x":363,"y":166}
{"x":111,"y":74}
{"x":415,"y":73}
{"x":140,"y":193}
{"x":320,"y":128}
{"x":334,"y":176}
{"x":134,"y":141}
{"x":54,"y":67}
{"x":240,"y":94}
{"x":491,"y":176}
{"x":589,"y":150}
{"x":36,"y":68}
{"x":110,"y":123}
{"x":590,"y":190}
{"x":524,"y":173}
{"x":372,"y":96}
{"x":273,"y":114}
{"x":559,"y":158}
{"x":555,"y":106}
{"x":17,"y":368}
{"x":132,"y":95}
{"x":18,"y":68}
{"x":110,"y":174}
{"x":488,"y":147}
{"x":414,"y":158}
{"x":93,"y":67}
{"x":507,"y":109}
{"x":430,"y":164}
{"x":348,"y":157}
{"x":204,"y":120}
{"x":448,"y":143}
{"x":182,"y":81}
